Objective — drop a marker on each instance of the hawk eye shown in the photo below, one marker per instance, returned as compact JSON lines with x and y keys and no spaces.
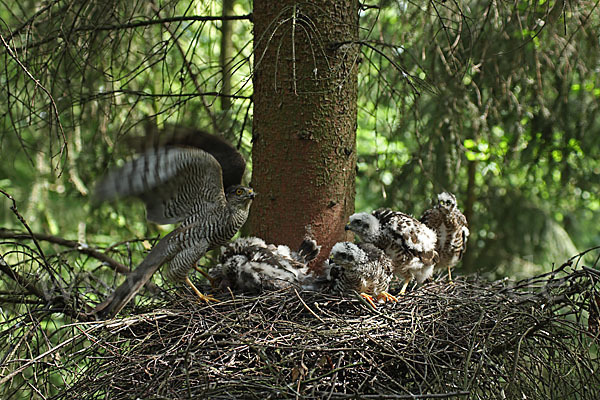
{"x":239,"y":191}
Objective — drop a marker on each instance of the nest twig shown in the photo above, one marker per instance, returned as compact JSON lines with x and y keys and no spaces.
{"x":472,"y":339}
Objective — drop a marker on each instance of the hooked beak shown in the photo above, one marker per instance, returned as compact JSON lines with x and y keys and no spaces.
{"x":346,"y":228}
{"x":252,"y":194}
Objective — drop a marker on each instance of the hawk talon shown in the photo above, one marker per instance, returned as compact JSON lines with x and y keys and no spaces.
{"x":368,"y":298}
{"x":385,"y":296}
{"x":204,"y":297}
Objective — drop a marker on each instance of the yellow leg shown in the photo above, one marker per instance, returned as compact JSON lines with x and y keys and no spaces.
{"x":450,"y":276}
{"x":385,"y":296}
{"x":204,"y":297}
{"x":205,"y":274}
{"x":406,"y":282}
{"x":369,"y":298}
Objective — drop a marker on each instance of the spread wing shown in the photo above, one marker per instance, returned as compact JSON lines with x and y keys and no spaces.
{"x":173,"y":182}
{"x":232,"y":162}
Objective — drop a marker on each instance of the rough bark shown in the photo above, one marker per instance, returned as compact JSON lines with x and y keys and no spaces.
{"x":304,"y":132}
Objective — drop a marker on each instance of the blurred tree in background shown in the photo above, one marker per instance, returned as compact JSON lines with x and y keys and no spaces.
{"x":510,"y":123}
{"x":495,"y":101}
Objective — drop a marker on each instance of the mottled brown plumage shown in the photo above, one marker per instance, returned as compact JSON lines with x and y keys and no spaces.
{"x":250,"y":265}
{"x":451,"y":228}
{"x":362,"y":268}
{"x":409,"y":243}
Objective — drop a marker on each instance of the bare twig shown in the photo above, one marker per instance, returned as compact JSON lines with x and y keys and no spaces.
{"x":25,"y":283}
{"x":473,"y":338}
{"x":24,"y":223}
{"x":81,"y":247}
{"x":63,"y":148}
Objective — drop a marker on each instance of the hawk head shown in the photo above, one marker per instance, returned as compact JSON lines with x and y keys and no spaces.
{"x":446,"y":201}
{"x":239,"y":195}
{"x":347,"y":254}
{"x":365,"y":225}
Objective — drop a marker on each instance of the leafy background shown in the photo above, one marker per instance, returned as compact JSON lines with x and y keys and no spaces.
{"x":495,"y":101}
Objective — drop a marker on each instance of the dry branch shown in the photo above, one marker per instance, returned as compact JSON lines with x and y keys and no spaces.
{"x":81,"y":247}
{"x":474,"y":339}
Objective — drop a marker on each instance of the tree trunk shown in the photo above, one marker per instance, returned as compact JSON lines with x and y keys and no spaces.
{"x":469,"y":260}
{"x":304,"y":132}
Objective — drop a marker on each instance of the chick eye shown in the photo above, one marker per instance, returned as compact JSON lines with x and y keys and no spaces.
{"x":239,"y":192}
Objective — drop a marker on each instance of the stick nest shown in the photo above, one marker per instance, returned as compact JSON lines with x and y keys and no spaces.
{"x":534,"y":339}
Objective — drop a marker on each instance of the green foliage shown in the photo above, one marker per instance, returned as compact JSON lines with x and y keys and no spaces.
{"x":507,"y":121}
{"x":495,"y":101}
{"x":106,"y":84}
